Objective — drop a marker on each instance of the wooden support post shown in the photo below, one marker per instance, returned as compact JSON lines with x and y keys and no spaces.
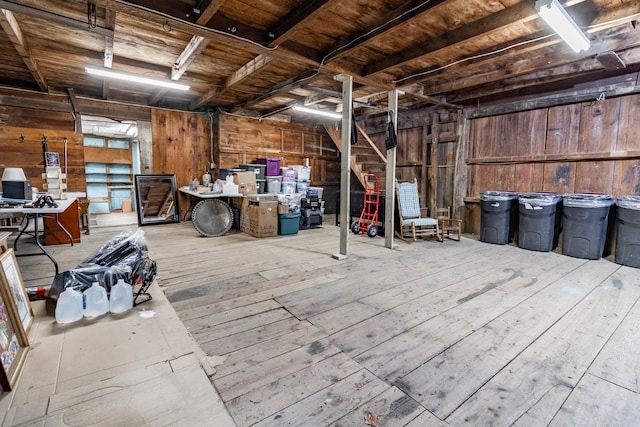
{"x":460,"y":173}
{"x":390,"y":197}
{"x":424,"y":169}
{"x":433,"y":169}
{"x":345,"y":165}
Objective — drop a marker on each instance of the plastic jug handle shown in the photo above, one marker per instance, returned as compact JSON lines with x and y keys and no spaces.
{"x":495,"y":205}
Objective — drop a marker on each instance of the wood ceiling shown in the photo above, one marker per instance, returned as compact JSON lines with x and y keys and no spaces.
{"x":257,"y":57}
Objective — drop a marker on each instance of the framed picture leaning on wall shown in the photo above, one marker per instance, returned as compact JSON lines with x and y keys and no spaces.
{"x":16,"y":318}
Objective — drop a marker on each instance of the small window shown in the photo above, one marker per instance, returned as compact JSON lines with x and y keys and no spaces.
{"x":93,"y":142}
{"x":118,"y":143}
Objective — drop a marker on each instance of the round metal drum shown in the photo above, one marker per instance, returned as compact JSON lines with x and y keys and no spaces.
{"x":212,"y":217}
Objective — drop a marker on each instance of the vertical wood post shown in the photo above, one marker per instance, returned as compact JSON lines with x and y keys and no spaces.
{"x":433,"y":170}
{"x":390,"y":182}
{"x":345,"y":165}
{"x":460,"y":172}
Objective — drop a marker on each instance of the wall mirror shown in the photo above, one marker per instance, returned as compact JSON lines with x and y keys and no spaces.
{"x":157,"y":199}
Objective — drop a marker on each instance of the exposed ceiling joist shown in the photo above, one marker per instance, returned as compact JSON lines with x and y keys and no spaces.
{"x":308,"y":10}
{"x":12,"y":29}
{"x":59,"y":19}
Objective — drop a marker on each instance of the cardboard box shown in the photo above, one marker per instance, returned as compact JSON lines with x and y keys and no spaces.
{"x":283,"y":209}
{"x":246,"y":182}
{"x":259,"y":219}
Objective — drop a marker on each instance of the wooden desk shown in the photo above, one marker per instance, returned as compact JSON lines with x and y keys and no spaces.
{"x":36,"y":214}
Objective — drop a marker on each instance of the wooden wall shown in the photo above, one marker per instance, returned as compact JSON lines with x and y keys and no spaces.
{"x":181,"y":146}
{"x":23,"y":148}
{"x":427,"y":145}
{"x":587,"y":147}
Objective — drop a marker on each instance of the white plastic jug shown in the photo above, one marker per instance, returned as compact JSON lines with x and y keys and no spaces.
{"x":95,"y":299}
{"x":121,"y":298}
{"x":69,"y":306}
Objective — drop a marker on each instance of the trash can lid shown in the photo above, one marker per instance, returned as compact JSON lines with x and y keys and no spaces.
{"x":492,"y":196}
{"x":540,"y":199}
{"x":629,"y":202}
{"x":588,"y":200}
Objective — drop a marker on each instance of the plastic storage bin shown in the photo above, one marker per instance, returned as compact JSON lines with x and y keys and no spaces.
{"x":628,"y":238}
{"x":584,"y":224}
{"x":302,"y":186}
{"x":288,"y":174}
{"x":260,"y":170}
{"x":274,"y":184}
{"x":540,"y":221}
{"x":273,"y":166}
{"x":224,"y":173}
{"x":289,"y":223}
{"x":262,"y":185}
{"x":288,"y":187}
{"x":498,"y":216}
{"x":302,"y":172}
{"x":315,"y":192}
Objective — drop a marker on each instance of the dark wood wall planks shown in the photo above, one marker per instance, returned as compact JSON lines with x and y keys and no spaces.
{"x":23,"y":148}
{"x":579,"y":148}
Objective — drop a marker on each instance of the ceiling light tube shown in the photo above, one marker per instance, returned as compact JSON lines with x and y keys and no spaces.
{"x":134,"y":78}
{"x":318,"y":112}
{"x":557,"y":17}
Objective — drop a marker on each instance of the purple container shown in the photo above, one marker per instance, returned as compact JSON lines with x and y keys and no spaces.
{"x":273,"y":166}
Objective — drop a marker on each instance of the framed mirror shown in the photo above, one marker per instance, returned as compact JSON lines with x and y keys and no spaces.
{"x":156,"y":199}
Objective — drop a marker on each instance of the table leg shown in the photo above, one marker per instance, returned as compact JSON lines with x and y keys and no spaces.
{"x":42,"y":248}
{"x":25,"y":219}
{"x":64,"y":229}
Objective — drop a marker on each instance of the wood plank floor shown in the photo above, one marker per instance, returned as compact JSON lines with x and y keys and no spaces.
{"x":427,"y":334}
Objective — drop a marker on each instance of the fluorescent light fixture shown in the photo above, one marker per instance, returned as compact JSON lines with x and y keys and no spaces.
{"x":316,"y":111}
{"x":134,"y":78}
{"x":557,"y":17}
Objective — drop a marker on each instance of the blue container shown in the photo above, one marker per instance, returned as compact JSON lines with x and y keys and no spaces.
{"x":289,"y":223}
{"x":584,"y":224}
{"x":540,"y":221}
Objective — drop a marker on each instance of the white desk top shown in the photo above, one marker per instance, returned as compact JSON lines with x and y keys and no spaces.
{"x":63,"y":205}
{"x":186,"y":190}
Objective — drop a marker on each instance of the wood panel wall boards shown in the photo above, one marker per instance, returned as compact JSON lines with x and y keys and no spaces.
{"x":563,"y":129}
{"x":626,"y":177}
{"x":23,"y":148}
{"x":599,"y":126}
{"x":181,"y":146}
{"x":629,"y":133}
{"x":36,"y":119}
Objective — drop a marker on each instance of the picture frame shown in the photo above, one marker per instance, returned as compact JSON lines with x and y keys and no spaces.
{"x":156,"y":199}
{"x":11,"y":280}
{"x":14,"y":342}
{"x":53,"y":159}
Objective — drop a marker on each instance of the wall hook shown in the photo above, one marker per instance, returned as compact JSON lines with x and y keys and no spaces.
{"x":22,"y":138}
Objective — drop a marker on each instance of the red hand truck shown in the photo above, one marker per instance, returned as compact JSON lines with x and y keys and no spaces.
{"x":368,"y":222}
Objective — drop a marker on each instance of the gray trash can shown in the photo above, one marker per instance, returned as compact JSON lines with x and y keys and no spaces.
{"x":540,"y":221}
{"x":584,"y":224}
{"x":498,"y":216}
{"x":628,"y":237}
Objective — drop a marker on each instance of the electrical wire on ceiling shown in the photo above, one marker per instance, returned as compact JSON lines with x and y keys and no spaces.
{"x":470,"y":58}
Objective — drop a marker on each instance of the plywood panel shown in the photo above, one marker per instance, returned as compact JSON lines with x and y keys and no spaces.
{"x":563,"y":128}
{"x":506,"y":136}
{"x":598,"y":126}
{"x":478,"y":132}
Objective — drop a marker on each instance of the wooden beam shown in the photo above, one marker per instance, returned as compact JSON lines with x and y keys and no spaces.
{"x":253,"y":66}
{"x":58,"y":19}
{"x":207,"y":12}
{"x":560,"y":158}
{"x":191,"y":51}
{"x":572,"y":97}
{"x":430,"y":99}
{"x":433,"y":165}
{"x":76,"y":110}
{"x":509,"y":17}
{"x":295,"y":20}
{"x":14,"y":33}
{"x":110,"y":23}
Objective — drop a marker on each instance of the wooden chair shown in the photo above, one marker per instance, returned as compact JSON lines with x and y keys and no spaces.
{"x":447,"y":224}
{"x":414,"y":221}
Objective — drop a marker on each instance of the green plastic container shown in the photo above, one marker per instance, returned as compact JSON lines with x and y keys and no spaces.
{"x":288,"y":223}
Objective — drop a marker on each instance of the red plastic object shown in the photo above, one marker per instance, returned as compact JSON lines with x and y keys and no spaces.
{"x":368,"y":222}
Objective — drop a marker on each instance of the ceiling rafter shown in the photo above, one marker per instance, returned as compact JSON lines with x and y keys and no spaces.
{"x":110,"y":23}
{"x":52,"y":17}
{"x":12,"y":29}
{"x":520,"y":13}
{"x":307,"y":11}
{"x":383,"y":26}
{"x":197,"y":43}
